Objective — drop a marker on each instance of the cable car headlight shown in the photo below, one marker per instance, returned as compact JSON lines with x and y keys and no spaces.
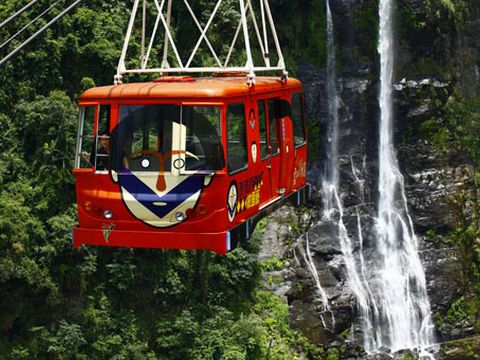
{"x":180,"y":216}
{"x":107,"y":214}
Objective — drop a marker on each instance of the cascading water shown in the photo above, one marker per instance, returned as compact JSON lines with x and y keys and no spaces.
{"x":307,"y":257}
{"x":391,"y":295}
{"x":399,"y":285}
{"x":333,"y":207}
{"x":331,"y":170}
{"x":333,"y":177}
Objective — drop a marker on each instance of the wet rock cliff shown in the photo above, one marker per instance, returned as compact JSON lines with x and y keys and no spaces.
{"x":437,"y":60}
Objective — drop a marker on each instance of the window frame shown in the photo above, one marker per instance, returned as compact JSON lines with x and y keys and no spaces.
{"x":80,"y":134}
{"x":221,"y":107}
{"x":96,"y":135}
{"x":267,"y":128}
{"x":227,"y":105}
{"x":182,"y":171}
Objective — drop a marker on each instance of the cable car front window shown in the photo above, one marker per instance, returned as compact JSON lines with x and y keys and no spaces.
{"x":143,"y":138}
{"x":204,"y":149}
{"x":153,"y":137}
{"x":85,"y":141}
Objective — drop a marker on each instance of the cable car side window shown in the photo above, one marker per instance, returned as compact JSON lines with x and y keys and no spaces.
{"x":142,"y":141}
{"x":203,"y":138}
{"x":85,"y":140}
{"x":298,"y":119}
{"x":262,"y":116}
{"x":102,"y":160}
{"x":237,"y":157}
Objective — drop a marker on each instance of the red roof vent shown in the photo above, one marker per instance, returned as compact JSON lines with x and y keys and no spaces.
{"x":171,"y":79}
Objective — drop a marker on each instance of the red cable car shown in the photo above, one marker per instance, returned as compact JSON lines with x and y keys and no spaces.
{"x":187,"y":163}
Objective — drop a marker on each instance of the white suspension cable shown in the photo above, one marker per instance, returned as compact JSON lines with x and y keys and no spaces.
{"x":26,"y":7}
{"x":232,"y":45}
{"x":212,"y":16}
{"x":30,"y":23}
{"x":167,"y":31}
{"x":281,"y":62}
{"x":50,"y":23}
{"x":201,"y":30}
{"x":165,"y":46}
{"x":152,"y":39}
{"x":259,"y":37}
{"x":144,"y":21}
{"x":264,"y":26}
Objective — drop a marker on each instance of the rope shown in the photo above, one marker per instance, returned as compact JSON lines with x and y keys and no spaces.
{"x":30,"y":23}
{"x":17,"y":13}
{"x":26,"y":42}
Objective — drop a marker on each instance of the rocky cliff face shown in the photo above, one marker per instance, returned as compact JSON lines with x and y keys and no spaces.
{"x":434,"y":178}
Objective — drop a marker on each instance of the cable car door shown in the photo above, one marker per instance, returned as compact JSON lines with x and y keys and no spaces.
{"x":286,"y":153}
{"x":281,"y":141}
{"x":274,"y":162}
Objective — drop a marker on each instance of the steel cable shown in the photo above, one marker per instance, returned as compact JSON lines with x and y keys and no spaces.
{"x":50,"y":23}
{"x":5,"y":22}
{"x":30,"y":23}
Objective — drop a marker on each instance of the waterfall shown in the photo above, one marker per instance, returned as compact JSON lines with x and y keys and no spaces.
{"x":392,"y":301}
{"x":399,"y":285}
{"x":333,"y":208}
{"x":307,"y":257}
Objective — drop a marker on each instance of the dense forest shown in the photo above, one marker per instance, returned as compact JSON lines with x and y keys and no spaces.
{"x":104,"y":303}
{"x":93,"y":303}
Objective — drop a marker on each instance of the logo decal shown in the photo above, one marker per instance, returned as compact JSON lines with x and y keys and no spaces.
{"x":254,"y":152}
{"x":300,"y":171}
{"x":252,"y":119}
{"x":232,"y":200}
{"x":107,"y":230}
{"x":249,"y":193}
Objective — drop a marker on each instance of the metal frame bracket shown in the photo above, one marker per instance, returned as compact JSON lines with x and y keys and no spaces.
{"x":164,"y":9}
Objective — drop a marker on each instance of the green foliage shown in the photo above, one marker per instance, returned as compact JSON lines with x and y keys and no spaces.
{"x":434,"y":130}
{"x":105,"y":303}
{"x":457,"y":311}
{"x":463,"y":122}
{"x":466,"y":238}
{"x":67,"y":341}
{"x":272,"y":264}
{"x":425,"y":41}
{"x":302,"y":30}
{"x":365,"y":21}
{"x":459,"y":125}
{"x":333,"y":354}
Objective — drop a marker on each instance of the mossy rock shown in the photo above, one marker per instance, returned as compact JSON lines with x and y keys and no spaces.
{"x":461,"y":349}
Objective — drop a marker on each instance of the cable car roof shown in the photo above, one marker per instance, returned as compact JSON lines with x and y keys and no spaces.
{"x":187,"y":87}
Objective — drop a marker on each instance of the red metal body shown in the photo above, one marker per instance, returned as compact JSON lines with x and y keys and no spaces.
{"x":197,"y":209}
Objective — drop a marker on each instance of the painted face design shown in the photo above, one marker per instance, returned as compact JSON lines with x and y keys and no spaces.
{"x":153,"y":186}
{"x":160,"y":207}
